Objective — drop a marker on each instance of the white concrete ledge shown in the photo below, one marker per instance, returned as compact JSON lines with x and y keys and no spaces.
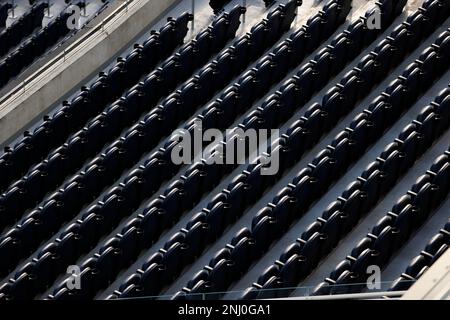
{"x":64,"y":72}
{"x":434,"y":283}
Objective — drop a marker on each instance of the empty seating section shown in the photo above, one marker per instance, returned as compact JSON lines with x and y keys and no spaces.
{"x":90,"y":102}
{"x":21,"y":28}
{"x":337,"y":220}
{"x":89,"y":185}
{"x":279,"y":14}
{"x":311,"y":182}
{"x":434,"y":249}
{"x":47,"y":175}
{"x":393,"y":230}
{"x":33,"y":47}
{"x":175,"y":192}
{"x":230,"y":202}
{"x":88,"y":142}
{"x":156,"y":176}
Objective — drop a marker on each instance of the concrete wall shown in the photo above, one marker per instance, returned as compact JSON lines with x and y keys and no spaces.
{"x":111,"y":33}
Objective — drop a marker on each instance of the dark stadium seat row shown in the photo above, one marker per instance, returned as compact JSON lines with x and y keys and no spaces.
{"x":4,"y":7}
{"x":12,"y":64}
{"x":73,"y":190}
{"x":86,"y":143}
{"x":391,"y":231}
{"x":228,"y":200}
{"x":160,"y":170}
{"x":22,"y":28}
{"x":434,"y":249}
{"x":55,"y":129}
{"x":273,"y":220}
{"x":67,"y":158}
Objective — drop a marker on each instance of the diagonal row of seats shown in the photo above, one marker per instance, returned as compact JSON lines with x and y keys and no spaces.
{"x":89,"y":102}
{"x":271,"y":222}
{"x":393,"y":230}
